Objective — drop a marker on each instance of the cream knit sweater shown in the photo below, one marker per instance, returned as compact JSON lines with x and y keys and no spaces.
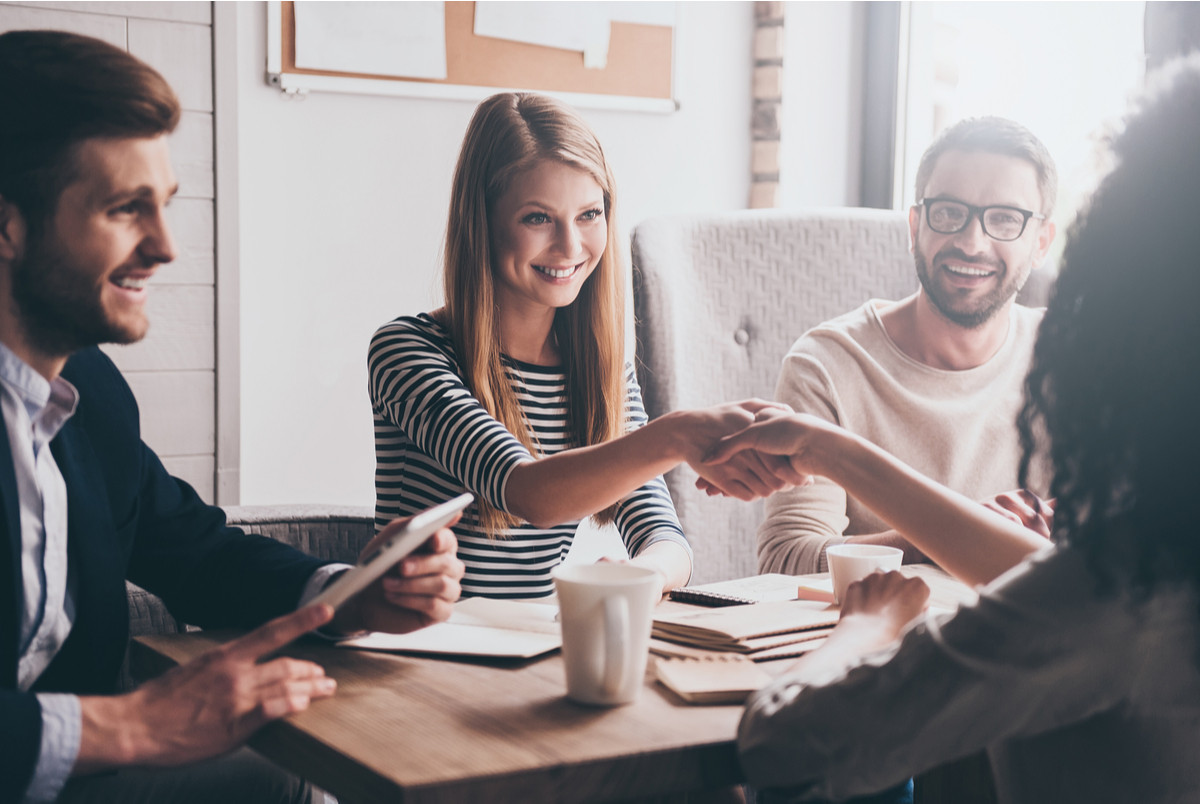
{"x":957,"y":427}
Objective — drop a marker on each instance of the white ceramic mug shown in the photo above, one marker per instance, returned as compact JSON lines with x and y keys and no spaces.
{"x":853,"y":562}
{"x":605,"y":612}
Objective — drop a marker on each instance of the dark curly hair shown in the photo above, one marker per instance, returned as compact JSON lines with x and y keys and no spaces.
{"x":1116,"y":373}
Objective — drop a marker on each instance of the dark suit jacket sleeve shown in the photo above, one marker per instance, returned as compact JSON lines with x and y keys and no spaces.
{"x":20,"y":742}
{"x":179,"y":548}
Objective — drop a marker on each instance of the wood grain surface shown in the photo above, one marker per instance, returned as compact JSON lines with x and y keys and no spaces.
{"x":414,"y":729}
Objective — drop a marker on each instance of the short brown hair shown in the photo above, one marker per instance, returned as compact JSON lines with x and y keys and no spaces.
{"x":58,"y":89}
{"x":993,"y":135}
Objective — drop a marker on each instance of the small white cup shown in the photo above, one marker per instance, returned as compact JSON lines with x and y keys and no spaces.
{"x":853,"y":562}
{"x":605,"y":612}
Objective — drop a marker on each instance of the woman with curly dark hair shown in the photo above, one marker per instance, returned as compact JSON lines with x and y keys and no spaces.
{"x":1079,"y":667}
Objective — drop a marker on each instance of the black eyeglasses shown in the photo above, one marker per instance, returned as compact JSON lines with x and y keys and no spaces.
{"x":947,"y":216}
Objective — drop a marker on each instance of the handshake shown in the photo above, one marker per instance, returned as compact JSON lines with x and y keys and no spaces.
{"x":751,"y":449}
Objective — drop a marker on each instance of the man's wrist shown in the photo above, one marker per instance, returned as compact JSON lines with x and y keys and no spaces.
{"x":859,"y":634}
{"x":112,"y":734}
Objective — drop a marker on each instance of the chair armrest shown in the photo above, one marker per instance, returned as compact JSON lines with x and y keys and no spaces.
{"x":331,"y":533}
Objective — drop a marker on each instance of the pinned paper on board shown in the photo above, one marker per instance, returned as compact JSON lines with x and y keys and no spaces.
{"x":612,"y":55}
{"x":568,"y":26}
{"x":585,"y":27}
{"x":372,"y":38}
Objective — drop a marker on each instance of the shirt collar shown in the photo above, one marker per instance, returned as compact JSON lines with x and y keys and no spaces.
{"x":49,"y":403}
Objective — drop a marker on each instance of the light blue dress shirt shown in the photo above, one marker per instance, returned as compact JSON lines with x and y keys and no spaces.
{"x":34,"y":411}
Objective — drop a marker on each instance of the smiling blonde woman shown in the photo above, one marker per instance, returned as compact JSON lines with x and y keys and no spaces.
{"x":518,"y":389}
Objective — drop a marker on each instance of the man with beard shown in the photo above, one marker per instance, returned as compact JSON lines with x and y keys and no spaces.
{"x":85,"y":178}
{"x":936,"y":378}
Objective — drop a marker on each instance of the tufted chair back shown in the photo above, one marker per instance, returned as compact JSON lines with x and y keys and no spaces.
{"x":719,"y":300}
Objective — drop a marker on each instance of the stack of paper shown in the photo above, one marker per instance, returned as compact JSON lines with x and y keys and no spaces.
{"x":769,"y":630}
{"x":720,"y":679}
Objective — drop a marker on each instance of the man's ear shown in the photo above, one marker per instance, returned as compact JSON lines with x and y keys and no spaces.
{"x":914,"y":223}
{"x":12,"y":230}
{"x":1042,"y":246}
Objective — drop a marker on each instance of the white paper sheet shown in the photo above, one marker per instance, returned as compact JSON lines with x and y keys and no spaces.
{"x":478,"y":627}
{"x":642,"y":13}
{"x":581,"y":26}
{"x":392,"y":39}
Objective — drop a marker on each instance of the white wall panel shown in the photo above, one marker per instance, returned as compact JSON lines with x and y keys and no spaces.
{"x":191,"y":221}
{"x":181,"y":333}
{"x":110,"y":29}
{"x":182,"y":52}
{"x":178,"y":397}
{"x":183,"y":11}
{"x":192,"y":155}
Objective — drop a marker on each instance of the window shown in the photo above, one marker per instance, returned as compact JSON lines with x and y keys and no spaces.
{"x":1064,"y":70}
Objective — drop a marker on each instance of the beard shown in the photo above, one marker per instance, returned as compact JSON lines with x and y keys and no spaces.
{"x":60,"y":307}
{"x":980,"y":312}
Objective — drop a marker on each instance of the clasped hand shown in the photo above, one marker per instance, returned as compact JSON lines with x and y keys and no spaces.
{"x":745,"y":474}
{"x":765,"y":455}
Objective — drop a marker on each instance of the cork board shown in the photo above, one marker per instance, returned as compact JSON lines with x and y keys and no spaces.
{"x":639,"y":72}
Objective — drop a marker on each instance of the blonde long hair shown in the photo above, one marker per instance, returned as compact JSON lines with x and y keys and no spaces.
{"x":510,"y":133}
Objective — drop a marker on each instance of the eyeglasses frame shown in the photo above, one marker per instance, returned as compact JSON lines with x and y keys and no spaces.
{"x":974,"y":212}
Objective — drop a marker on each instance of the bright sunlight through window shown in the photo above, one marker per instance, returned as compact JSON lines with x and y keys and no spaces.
{"x":1065,"y":70}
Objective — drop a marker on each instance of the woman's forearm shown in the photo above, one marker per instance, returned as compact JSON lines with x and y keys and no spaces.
{"x":579,"y":482}
{"x":966,"y":539}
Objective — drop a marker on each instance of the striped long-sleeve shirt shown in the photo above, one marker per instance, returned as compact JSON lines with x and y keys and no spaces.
{"x":433,"y":440}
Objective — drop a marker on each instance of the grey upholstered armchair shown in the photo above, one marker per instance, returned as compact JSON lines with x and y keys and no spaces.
{"x":718,"y":301}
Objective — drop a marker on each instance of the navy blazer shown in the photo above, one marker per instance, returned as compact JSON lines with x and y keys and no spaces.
{"x":127,"y":518}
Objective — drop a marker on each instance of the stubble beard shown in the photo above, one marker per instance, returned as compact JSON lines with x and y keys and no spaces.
{"x":984,"y":310}
{"x":60,"y":308}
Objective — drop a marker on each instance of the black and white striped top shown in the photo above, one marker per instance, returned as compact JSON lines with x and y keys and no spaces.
{"x":433,"y":440}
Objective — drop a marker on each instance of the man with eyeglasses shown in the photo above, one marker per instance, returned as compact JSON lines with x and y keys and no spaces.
{"x":935,"y":378}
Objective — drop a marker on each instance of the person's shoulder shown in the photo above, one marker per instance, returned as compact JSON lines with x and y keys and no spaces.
{"x":94,"y":374}
{"x":856,"y":326}
{"x":1028,"y":315}
{"x":87,"y":363}
{"x":1026,"y":321}
{"x":412,"y":332}
{"x":107,"y":408}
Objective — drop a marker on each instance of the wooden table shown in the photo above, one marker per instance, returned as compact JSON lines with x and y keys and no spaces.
{"x":415,"y":729}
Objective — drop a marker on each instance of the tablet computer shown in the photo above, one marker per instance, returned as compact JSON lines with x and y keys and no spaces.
{"x":414,"y":533}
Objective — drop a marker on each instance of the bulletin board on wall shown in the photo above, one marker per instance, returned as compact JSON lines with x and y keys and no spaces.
{"x":632,"y":67}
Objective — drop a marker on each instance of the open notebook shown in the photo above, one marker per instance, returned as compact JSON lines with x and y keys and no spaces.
{"x":478,"y":627}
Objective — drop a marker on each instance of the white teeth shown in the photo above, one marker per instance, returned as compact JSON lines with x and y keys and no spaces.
{"x":129,"y":283}
{"x":557,"y":273}
{"x":965,"y":271}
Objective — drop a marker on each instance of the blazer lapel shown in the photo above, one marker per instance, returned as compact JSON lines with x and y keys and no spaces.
{"x":96,"y":558}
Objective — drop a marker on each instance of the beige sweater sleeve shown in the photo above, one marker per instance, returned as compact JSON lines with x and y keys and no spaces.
{"x":801,"y":523}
